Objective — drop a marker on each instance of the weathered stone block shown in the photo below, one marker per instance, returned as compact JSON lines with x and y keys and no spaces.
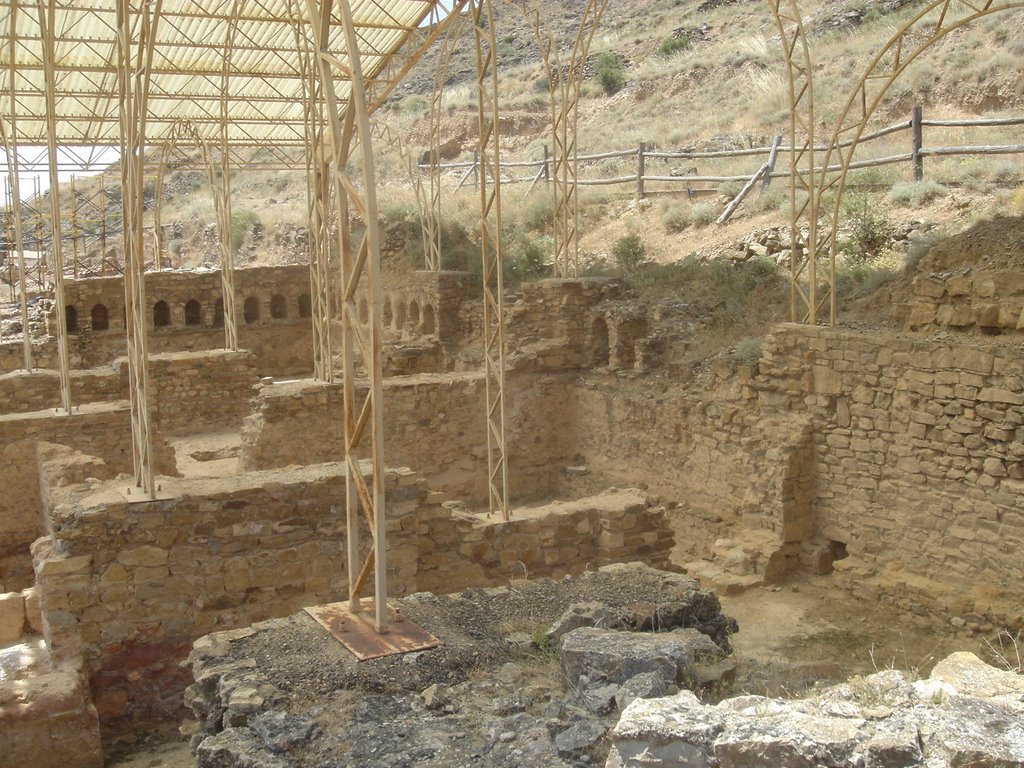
{"x":12,"y":616}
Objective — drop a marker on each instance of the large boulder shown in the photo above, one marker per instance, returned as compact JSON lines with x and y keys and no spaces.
{"x":615,"y":657}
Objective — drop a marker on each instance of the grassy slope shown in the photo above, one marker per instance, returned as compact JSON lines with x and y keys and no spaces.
{"x":724,"y":90}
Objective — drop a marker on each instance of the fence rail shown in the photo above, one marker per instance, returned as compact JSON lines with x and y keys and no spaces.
{"x":767,"y":154}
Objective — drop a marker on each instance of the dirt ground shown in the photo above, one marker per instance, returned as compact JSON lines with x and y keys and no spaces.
{"x":790,"y":638}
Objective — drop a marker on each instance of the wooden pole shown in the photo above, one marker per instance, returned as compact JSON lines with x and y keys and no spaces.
{"x":743,"y":193}
{"x":641,"y":163}
{"x":917,"y":139}
{"x":772,"y":158}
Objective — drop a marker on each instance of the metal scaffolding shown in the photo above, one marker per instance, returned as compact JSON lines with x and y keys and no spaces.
{"x":48,"y":35}
{"x":929,"y":25}
{"x":482,"y":18}
{"x":10,"y":140}
{"x":135,"y":38}
{"x":564,"y":80}
{"x":804,"y":302}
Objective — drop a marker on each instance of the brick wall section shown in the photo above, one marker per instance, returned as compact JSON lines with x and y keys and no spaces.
{"x":459,"y":550}
{"x":131,"y":586}
{"x":432,"y":423}
{"x":721,"y":464}
{"x":918,"y":458}
{"x":102,"y":430}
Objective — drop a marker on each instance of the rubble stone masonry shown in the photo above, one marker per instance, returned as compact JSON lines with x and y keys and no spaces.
{"x":432,"y":423}
{"x":918,"y":458}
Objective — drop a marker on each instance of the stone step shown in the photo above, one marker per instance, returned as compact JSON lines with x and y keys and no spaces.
{"x":19,"y":616}
{"x":46,"y":718}
{"x":711,"y":574}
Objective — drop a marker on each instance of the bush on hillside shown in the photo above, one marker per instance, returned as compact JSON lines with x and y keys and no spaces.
{"x":611,"y":73}
{"x":916,"y":193}
{"x":673,"y":45}
{"x":629,"y":252}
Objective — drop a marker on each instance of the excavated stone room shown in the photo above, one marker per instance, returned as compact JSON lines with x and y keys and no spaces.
{"x":361,"y":512}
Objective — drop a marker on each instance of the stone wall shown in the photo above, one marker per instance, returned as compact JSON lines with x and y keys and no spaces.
{"x":990,"y":301}
{"x":918,"y":459}
{"x":188,"y":391}
{"x":459,"y":549}
{"x":23,"y":392}
{"x":102,"y":430}
{"x":201,"y":392}
{"x":434,"y":424}
{"x":553,"y":325}
{"x":130,"y":586}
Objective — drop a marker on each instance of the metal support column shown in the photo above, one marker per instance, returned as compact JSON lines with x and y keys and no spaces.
{"x":432,"y":221}
{"x":805,"y":303}
{"x":47,"y":13}
{"x":135,"y":59}
{"x":564,"y":81}
{"x":318,"y":209}
{"x":222,"y":196}
{"x":489,"y":153}
{"x":13,"y":172}
{"x":364,"y":427}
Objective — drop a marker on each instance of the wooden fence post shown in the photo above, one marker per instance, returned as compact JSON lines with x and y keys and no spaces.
{"x":917,"y":139}
{"x":640,"y":169}
{"x":547,"y":165}
{"x":476,"y":169}
{"x":773,"y":156}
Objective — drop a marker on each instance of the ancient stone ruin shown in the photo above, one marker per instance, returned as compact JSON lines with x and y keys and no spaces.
{"x":890,"y":459}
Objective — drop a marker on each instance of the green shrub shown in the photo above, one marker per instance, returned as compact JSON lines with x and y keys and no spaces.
{"x":916,"y":193}
{"x":673,"y":45}
{"x":629,"y":252}
{"x":1017,"y":201}
{"x":868,"y":228}
{"x":730,"y":188}
{"x":748,"y":351}
{"x":458,"y":251}
{"x":539,"y":214}
{"x":611,"y":73}
{"x":414,"y":105}
{"x":704,"y":214}
{"x":862,"y":279}
{"x":676,"y":218}
{"x":772,"y":199}
{"x":920,"y":244}
{"x":242,"y":223}
{"x":531,"y":262}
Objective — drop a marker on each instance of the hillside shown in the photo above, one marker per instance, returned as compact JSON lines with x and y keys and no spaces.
{"x":718,"y":86}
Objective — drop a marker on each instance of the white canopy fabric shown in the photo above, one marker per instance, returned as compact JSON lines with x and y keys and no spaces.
{"x":257,"y":48}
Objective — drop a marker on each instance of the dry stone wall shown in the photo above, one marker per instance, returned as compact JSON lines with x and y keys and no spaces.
{"x":102,"y":430}
{"x":201,"y":392}
{"x":990,"y":301}
{"x":918,"y":458}
{"x":22,"y":392}
{"x":130,"y":586}
{"x":459,"y":548}
{"x":433,"y":423}
{"x":551,"y":324}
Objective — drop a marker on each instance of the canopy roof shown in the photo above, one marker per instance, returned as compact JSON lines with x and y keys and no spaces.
{"x":250,"y":53}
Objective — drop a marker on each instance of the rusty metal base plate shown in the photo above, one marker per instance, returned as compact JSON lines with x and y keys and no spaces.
{"x":356,"y":631}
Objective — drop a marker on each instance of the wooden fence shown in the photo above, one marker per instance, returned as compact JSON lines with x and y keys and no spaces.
{"x":767,"y":156}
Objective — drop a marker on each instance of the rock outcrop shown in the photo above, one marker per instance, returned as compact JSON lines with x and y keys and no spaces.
{"x":966,"y":714}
